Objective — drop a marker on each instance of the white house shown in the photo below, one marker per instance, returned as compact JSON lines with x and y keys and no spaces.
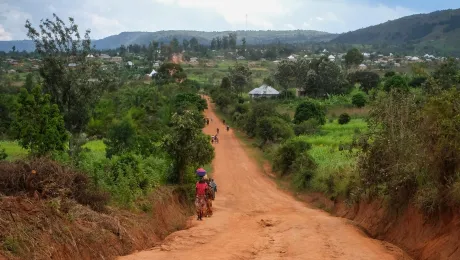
{"x":194,"y":60}
{"x":291,"y":57}
{"x":366,"y":54}
{"x":362,"y":67}
{"x":152,"y":73}
{"x":130,"y":63}
{"x":331,"y":57}
{"x":415,"y":59}
{"x":263,"y":91}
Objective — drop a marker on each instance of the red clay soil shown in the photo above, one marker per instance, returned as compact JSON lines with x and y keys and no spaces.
{"x":63,"y":229}
{"x":253,"y":219}
{"x":423,"y":238}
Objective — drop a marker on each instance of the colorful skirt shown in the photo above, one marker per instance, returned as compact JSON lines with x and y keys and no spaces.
{"x":200,"y":203}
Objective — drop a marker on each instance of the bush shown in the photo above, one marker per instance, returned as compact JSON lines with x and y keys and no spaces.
{"x":389,"y":74}
{"x":273,"y":129}
{"x":3,"y":154}
{"x":304,"y":169}
{"x":308,"y":127}
{"x":39,"y":125}
{"x":344,"y":119}
{"x":288,"y":153}
{"x":358,"y":100}
{"x":121,"y":138}
{"x":308,"y":110}
{"x":396,"y":82}
{"x":51,"y":180}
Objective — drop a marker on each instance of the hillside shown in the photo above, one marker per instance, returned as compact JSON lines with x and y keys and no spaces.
{"x":436,"y":32}
{"x":252,"y":37}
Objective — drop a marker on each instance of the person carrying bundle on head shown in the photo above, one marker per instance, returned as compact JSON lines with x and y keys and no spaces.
{"x":200,"y":198}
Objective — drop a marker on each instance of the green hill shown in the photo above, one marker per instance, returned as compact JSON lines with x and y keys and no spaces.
{"x":437,"y":32}
{"x":252,"y":37}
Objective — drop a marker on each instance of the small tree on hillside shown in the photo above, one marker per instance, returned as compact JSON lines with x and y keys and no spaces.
{"x":308,"y":110}
{"x":121,"y":138}
{"x":38,"y":125}
{"x":353,"y":57}
{"x":226,"y":84}
{"x":186,"y":144}
{"x":358,"y":100}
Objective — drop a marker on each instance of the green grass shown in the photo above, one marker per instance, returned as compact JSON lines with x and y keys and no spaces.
{"x":13,"y":150}
{"x":332,"y":162}
{"x":97,"y":148}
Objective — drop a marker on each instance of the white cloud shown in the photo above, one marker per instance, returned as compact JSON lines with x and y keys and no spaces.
{"x":4,"y":35}
{"x":290,"y":26}
{"x":101,"y":25}
{"x":258,"y":13}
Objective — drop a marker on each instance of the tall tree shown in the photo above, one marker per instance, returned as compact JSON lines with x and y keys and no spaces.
{"x":225,"y":42}
{"x":213,"y":44}
{"x":186,"y":144}
{"x":240,"y":77}
{"x":77,"y":88}
{"x":175,"y":47}
{"x":232,"y":38}
{"x":219,"y":43}
{"x":185,"y":44}
{"x":194,"y":44}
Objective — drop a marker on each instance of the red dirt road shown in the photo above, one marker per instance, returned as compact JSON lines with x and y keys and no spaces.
{"x":253,"y":219}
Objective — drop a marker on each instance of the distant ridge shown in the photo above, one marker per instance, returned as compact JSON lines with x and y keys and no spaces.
{"x":144,"y":38}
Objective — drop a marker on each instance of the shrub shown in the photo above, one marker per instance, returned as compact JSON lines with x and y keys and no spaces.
{"x":389,"y":74}
{"x":272,"y":129}
{"x":39,"y":125}
{"x":396,"y":82}
{"x":121,"y":138}
{"x":96,"y":127}
{"x":3,"y":154}
{"x":304,"y":168}
{"x":344,"y":119}
{"x":308,"y":110}
{"x":358,"y":100}
{"x":288,"y":153}
{"x":51,"y":180}
{"x":308,"y":127}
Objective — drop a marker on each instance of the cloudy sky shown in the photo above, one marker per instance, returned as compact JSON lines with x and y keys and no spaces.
{"x":108,"y":17}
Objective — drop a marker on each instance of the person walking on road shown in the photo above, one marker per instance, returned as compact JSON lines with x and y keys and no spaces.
{"x":213,"y":187}
{"x":200,"y":198}
{"x":228,"y":128}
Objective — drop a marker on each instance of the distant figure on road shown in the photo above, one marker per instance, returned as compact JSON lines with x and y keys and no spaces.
{"x":213,"y":187}
{"x":217,"y":130}
{"x":200,"y":199}
{"x":228,"y":128}
{"x":223,"y":121}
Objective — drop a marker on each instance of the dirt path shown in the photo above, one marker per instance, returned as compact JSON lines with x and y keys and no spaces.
{"x":253,"y":219}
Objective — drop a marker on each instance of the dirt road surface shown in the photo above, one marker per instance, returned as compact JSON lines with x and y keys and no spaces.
{"x":253,"y":219}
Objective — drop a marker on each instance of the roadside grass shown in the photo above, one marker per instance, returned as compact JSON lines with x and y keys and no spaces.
{"x":335,"y":167}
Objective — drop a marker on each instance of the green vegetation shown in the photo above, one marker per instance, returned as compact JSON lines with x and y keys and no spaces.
{"x":434,"y":32}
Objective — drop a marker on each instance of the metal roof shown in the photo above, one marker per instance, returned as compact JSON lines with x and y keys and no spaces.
{"x":264,"y":90}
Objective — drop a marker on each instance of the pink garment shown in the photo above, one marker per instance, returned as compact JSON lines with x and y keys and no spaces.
{"x":201,"y":188}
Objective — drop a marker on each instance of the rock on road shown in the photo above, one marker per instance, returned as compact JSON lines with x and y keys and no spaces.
{"x":253,"y":219}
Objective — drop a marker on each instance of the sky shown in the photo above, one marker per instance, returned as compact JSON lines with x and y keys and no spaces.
{"x":109,"y":17}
